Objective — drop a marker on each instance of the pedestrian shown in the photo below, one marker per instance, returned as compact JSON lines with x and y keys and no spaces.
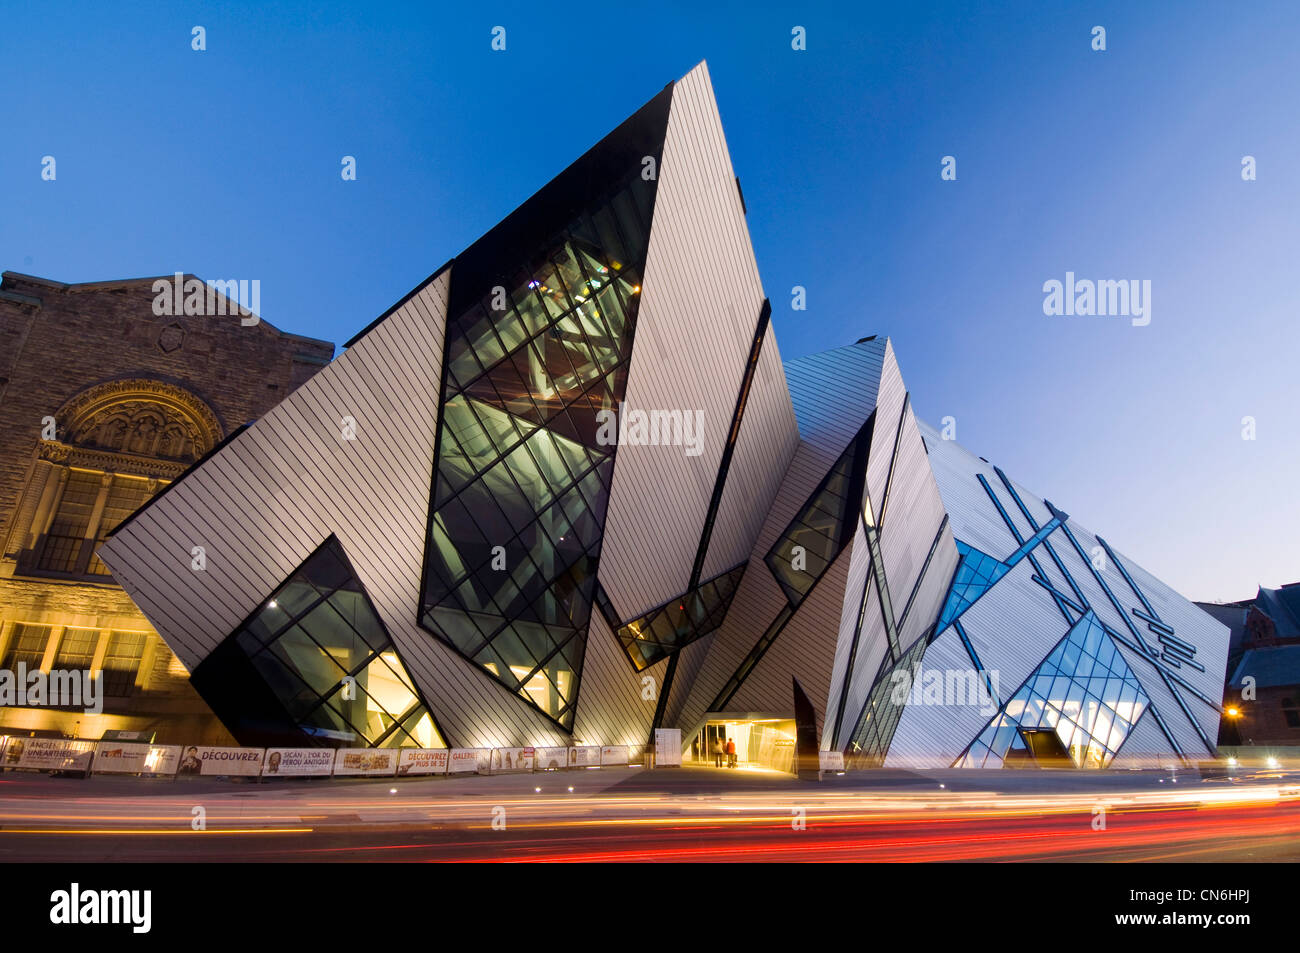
{"x":717,"y":752}
{"x":731,"y":753}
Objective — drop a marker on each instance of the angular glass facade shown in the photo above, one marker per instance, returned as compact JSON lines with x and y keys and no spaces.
{"x":522,"y":481}
{"x":883,"y":709}
{"x":664,"y":630}
{"x":321,"y":650}
{"x":1084,"y":691}
{"x":824,"y":525}
{"x":976,"y":573}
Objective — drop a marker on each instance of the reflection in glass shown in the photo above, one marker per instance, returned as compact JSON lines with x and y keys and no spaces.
{"x":326,"y":657}
{"x":664,"y":630}
{"x":1084,"y":691}
{"x":521,"y":481}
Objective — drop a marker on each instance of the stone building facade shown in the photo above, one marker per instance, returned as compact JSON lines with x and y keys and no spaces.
{"x":102,"y":404}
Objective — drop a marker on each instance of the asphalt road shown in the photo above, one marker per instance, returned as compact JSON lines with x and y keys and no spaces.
{"x":671,"y":815}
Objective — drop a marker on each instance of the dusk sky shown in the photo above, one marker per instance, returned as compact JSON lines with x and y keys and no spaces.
{"x":1116,"y":164}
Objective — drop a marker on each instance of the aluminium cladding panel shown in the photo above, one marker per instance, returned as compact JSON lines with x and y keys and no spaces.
{"x":266,"y":501}
{"x":873,"y":647}
{"x":767,"y":442}
{"x":1162,"y":699}
{"x":1013,"y":627}
{"x":690,"y":660}
{"x":700,"y":303}
{"x":890,"y":398}
{"x":612,"y":709}
{"x":857,"y":582}
{"x":759,"y":598}
{"x":805,"y":649}
{"x":975,"y":521}
{"x":757,"y":602}
{"x":873,"y":642}
{"x":935,"y":735}
{"x":913,"y":514}
{"x":834,"y":392}
{"x":1145,"y":747}
{"x":242,"y":505}
{"x":1190,"y":623}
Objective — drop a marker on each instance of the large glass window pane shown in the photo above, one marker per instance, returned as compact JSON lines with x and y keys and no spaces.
{"x":563,"y":350}
{"x":341,"y":635}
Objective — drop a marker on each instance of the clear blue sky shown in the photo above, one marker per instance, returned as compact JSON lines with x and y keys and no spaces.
{"x":1122,"y":164}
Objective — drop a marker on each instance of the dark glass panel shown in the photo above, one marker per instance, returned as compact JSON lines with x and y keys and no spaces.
{"x":679,"y":622}
{"x":556,"y":357}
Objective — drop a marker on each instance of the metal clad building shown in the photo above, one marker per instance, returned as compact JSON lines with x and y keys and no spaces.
{"x":566,"y":492}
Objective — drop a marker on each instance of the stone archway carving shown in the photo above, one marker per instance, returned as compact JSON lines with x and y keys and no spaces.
{"x":142,"y":418}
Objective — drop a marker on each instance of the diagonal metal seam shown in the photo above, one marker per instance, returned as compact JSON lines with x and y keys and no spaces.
{"x":1144,"y":648}
{"x":1200,"y":732}
{"x":1124,"y":641}
{"x":1047,"y":544}
{"x":893,"y":460}
{"x":630,"y":332}
{"x":1065,"y":528}
{"x":902,"y":620}
{"x":1035,"y":671}
{"x":857,"y":493}
{"x":715,"y":500}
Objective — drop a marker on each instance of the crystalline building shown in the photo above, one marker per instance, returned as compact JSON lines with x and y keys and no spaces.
{"x":436,"y":541}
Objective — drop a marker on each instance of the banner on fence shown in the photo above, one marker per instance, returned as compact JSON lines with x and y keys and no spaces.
{"x":298,"y":762}
{"x":505,"y":760}
{"x":415,"y":761}
{"x":469,"y":761}
{"x":549,"y":759}
{"x":121,"y":757}
{"x":204,"y":759}
{"x":50,"y":754}
{"x":370,"y":762}
{"x":613,"y":754}
{"x":584,"y":756}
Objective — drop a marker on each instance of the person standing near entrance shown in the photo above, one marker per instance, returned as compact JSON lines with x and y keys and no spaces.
{"x":717,"y":752}
{"x":731,"y":753}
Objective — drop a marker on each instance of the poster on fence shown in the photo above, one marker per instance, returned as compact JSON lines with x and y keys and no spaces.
{"x":414,"y":761}
{"x":551,"y":759}
{"x":613,"y":754}
{"x":668,"y":747}
{"x":202,"y":759}
{"x":120,"y":757}
{"x":470,"y":760}
{"x":505,"y":760}
{"x":368,"y":762}
{"x":298,"y":762}
{"x":830,"y":760}
{"x":50,"y":754}
{"x":584,"y":756}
